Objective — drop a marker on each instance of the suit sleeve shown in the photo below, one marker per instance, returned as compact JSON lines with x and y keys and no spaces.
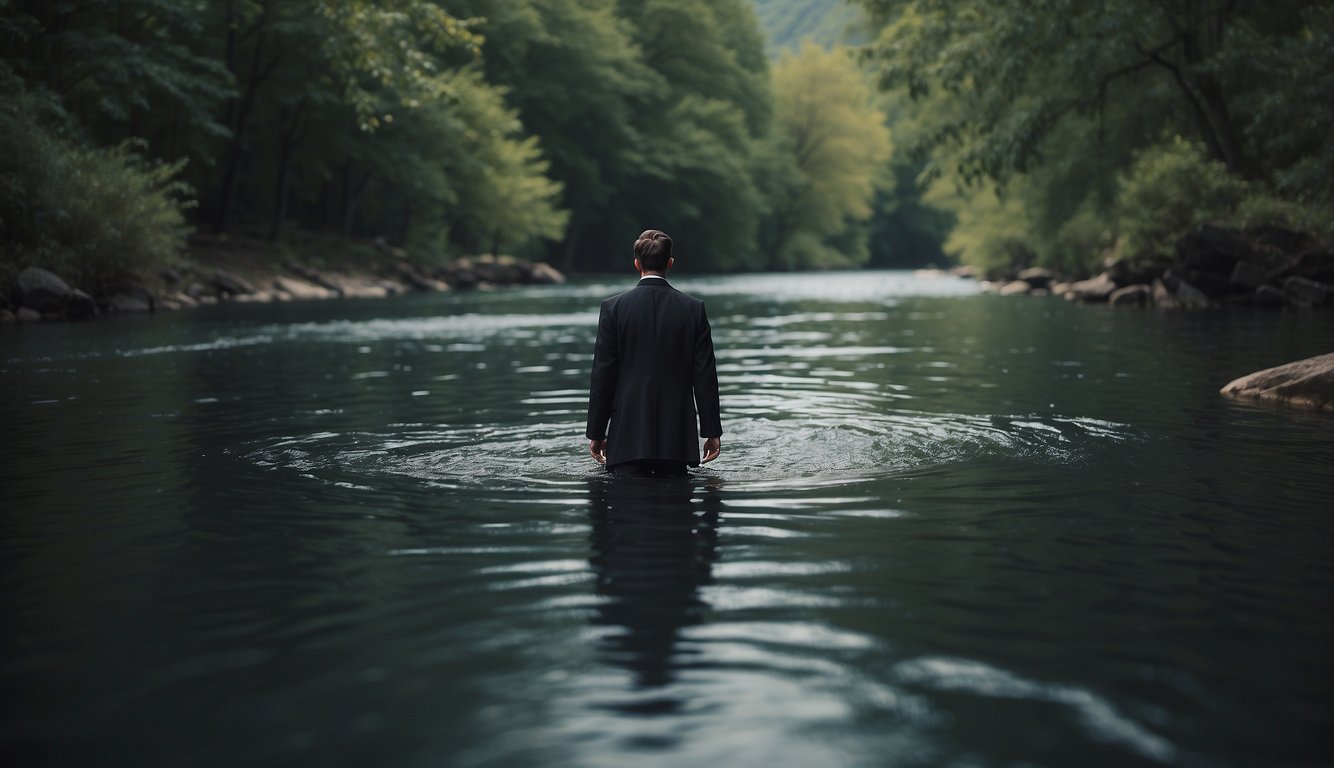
{"x":602,"y":383}
{"x":705,"y":380}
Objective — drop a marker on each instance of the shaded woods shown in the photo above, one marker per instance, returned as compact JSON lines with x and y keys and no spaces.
{"x":548,"y":129}
{"x":1058,"y":133}
{"x":1066,"y":133}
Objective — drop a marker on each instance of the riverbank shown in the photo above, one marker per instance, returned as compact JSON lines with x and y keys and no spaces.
{"x":1261,"y":266}
{"x":219,"y":270}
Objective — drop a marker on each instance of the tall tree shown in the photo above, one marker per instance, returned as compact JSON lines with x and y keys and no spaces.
{"x":840,"y":148}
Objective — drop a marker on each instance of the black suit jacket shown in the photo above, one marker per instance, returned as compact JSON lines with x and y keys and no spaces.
{"x":653,"y":369}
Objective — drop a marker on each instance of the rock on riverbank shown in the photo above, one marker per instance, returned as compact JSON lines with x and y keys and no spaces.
{"x":39,"y":294}
{"x":1306,"y":383}
{"x":1261,"y":266}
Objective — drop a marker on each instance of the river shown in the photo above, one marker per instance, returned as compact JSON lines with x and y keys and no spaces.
{"x":946,"y":528}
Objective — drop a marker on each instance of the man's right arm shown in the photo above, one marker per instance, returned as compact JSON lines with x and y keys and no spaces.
{"x":705,"y":380}
{"x":602,"y":382}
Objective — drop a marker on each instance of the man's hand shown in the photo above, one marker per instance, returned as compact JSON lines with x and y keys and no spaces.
{"x":598,"y":450}
{"x":712,"y":447}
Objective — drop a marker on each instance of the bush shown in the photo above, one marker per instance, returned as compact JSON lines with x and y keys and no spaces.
{"x":1173,"y":187}
{"x":90,"y":215}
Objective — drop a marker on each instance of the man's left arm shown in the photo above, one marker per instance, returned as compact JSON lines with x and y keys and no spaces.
{"x":705,"y":383}
{"x":602,"y":385}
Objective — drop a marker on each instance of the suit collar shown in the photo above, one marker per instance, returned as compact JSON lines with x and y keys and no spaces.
{"x":653,"y":280}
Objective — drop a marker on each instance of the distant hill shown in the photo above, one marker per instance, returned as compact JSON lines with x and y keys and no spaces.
{"x":786,"y":23}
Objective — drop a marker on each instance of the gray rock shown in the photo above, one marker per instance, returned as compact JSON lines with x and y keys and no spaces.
{"x":1131,"y":296}
{"x":1213,"y":249}
{"x":80,"y":306}
{"x":1211,"y":284}
{"x":545,"y":274}
{"x":28,"y":315}
{"x":1191,"y":297}
{"x":7,"y":317}
{"x":1316,"y":264}
{"x":232,"y":284}
{"x":1284,"y":239}
{"x":1015,"y":288}
{"x":41,"y":290}
{"x":129,"y":304}
{"x":1306,"y":383}
{"x":1304,"y":292}
{"x":1268,"y":296}
{"x":1036,"y":277}
{"x":196,"y":290}
{"x":169,"y":275}
{"x":1249,"y":275}
{"x":302,"y":289}
{"x":1097,"y":288}
{"x":254,"y":297}
{"x":1163,"y":296}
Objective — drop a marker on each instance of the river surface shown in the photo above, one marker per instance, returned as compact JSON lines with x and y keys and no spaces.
{"x":946,"y":529}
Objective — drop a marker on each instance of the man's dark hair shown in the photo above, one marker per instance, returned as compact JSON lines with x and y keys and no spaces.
{"x":653,"y":249}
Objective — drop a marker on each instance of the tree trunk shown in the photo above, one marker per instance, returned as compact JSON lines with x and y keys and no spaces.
{"x":291,"y":123}
{"x":404,"y":226}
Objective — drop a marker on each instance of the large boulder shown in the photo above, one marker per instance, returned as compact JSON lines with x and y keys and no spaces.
{"x":1097,"y":288}
{"x":1131,"y":296}
{"x":1304,"y":292}
{"x":1208,"y":248}
{"x":80,"y":306}
{"x":1286,"y":240}
{"x":1036,"y":277}
{"x":1268,"y":296}
{"x":231,"y":284}
{"x":1015,"y":288}
{"x":1306,"y":383}
{"x":301,"y":289}
{"x":1191,"y":297}
{"x":1315,"y":264}
{"x":130,"y":303}
{"x":545,"y":274}
{"x":1248,"y":274}
{"x":42,"y":291}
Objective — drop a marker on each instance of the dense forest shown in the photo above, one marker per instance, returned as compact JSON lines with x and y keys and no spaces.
{"x":1048,"y":133}
{"x":1065,"y":133}
{"x":556,"y":129}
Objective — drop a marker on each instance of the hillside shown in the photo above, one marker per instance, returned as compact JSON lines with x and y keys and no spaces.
{"x":786,"y":23}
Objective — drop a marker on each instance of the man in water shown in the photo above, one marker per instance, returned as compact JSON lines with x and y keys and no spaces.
{"x":653,"y":370}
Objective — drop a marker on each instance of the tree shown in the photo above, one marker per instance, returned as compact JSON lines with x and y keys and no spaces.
{"x":1040,"y":107}
{"x":840,"y":149}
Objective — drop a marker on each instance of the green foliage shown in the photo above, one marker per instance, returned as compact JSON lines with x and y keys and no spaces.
{"x":1170,"y":188}
{"x":91,"y":215}
{"x":1047,"y":125}
{"x":1174,"y":186}
{"x":840,"y":149}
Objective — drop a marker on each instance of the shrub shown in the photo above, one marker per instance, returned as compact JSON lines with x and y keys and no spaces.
{"x":91,"y":215}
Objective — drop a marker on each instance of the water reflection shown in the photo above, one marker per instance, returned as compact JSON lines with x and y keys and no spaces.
{"x":655,"y":541}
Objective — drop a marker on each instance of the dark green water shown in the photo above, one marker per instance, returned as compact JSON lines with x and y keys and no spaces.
{"x":946,"y":529}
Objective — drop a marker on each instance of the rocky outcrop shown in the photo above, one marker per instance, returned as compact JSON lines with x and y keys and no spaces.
{"x":1131,"y":296}
{"x":1306,"y":383}
{"x":39,"y":294}
{"x":42,"y":291}
{"x":1262,"y":266}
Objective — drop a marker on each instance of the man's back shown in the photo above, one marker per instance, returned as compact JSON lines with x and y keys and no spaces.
{"x":653,"y":368}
